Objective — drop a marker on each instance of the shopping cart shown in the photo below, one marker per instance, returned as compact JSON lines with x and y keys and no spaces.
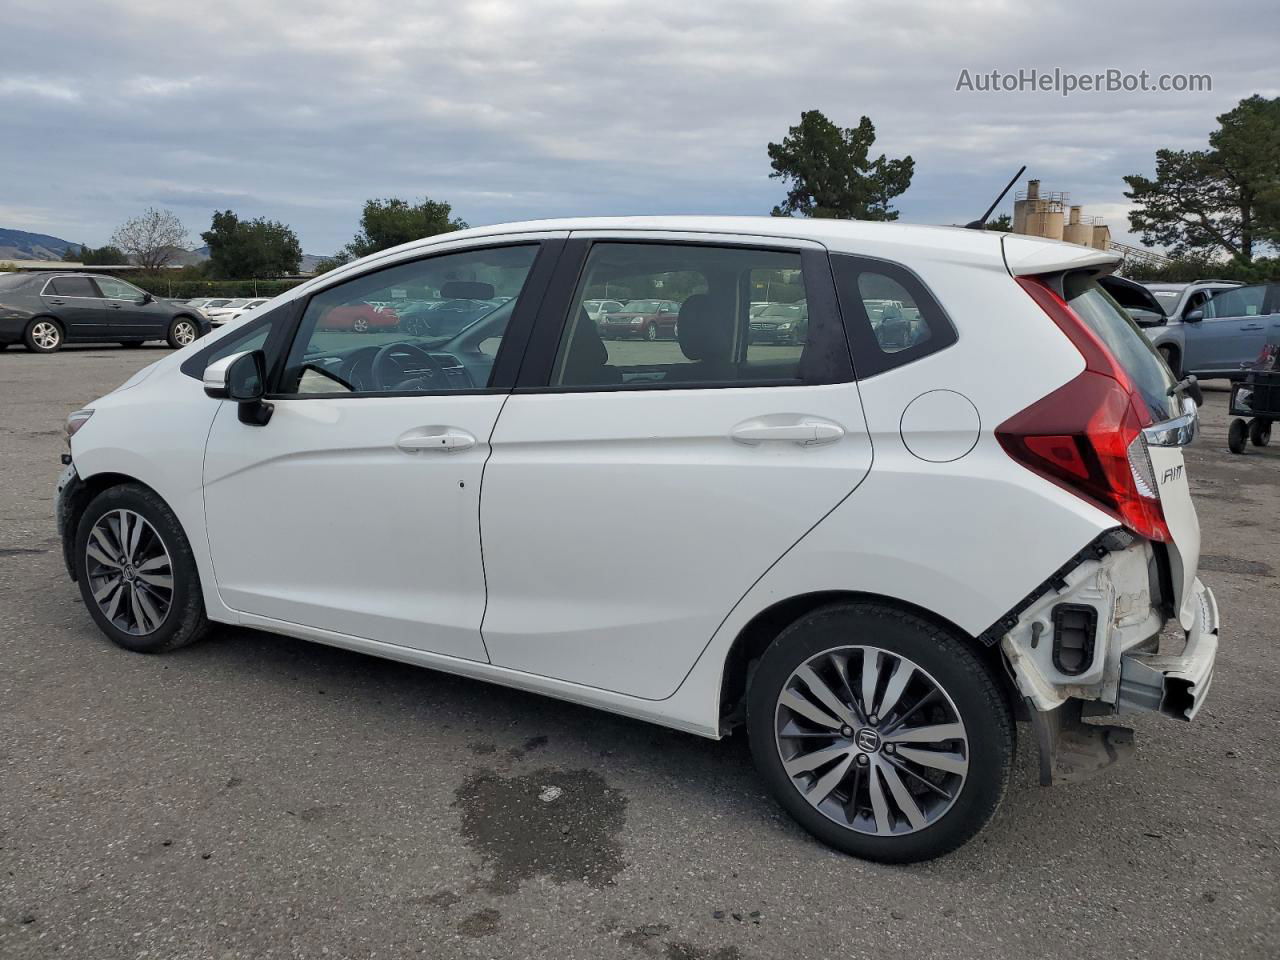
{"x":1258,"y":399}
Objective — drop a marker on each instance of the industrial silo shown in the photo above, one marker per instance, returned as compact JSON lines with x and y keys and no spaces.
{"x":1101,"y":236}
{"x":1076,"y":230}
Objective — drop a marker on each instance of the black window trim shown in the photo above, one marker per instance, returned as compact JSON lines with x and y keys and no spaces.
{"x":539,"y":359}
{"x":869,"y":358}
{"x":194,"y":366}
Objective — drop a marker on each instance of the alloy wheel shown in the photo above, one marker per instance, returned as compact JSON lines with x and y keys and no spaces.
{"x":130,"y":573}
{"x":184,"y":332}
{"x":871,"y":740}
{"x":46,"y":335}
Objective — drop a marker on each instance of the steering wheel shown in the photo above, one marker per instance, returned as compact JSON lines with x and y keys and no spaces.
{"x":390,"y":375}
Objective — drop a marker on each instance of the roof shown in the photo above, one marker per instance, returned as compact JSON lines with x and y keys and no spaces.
{"x":900,"y":242}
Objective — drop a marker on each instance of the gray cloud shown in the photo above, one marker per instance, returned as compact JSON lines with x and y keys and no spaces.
{"x":510,"y":110}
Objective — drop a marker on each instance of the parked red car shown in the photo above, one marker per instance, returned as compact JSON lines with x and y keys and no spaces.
{"x":642,"y":319}
{"x":360,"y":317}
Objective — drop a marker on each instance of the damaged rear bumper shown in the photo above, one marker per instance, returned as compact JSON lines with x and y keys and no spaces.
{"x":1116,"y":665}
{"x":1175,"y":686}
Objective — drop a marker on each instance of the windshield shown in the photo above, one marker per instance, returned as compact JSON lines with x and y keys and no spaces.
{"x":780,"y":310}
{"x":640,"y":306}
{"x":1169,"y":295}
{"x":1126,"y":342}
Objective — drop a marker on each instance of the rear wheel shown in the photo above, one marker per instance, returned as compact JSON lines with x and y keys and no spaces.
{"x":43,"y":335}
{"x":1236,"y":436}
{"x":360,"y":325}
{"x":880,"y":733}
{"x":182,"y":332}
{"x":136,"y":571}
{"x":1259,"y":432}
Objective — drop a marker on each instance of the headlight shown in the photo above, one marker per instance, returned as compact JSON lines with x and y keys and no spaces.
{"x":636,"y":321}
{"x":76,"y":421}
{"x":784,"y":326}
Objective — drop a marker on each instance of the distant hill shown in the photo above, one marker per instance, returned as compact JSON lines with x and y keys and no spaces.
{"x":20,"y":245}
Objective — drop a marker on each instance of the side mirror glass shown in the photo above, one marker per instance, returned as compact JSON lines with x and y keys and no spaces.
{"x":1193,"y":316}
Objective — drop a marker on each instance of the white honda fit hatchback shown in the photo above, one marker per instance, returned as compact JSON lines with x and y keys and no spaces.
{"x":956,"y":501}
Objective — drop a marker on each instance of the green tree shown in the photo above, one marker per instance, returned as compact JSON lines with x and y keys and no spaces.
{"x":250,"y":249}
{"x":325,"y":264}
{"x":391,"y":222}
{"x":105,"y":256}
{"x":1002,"y":223}
{"x":1225,"y":199}
{"x":829,"y":173}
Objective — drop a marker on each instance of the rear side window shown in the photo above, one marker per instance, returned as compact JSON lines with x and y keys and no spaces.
{"x":72,"y":287}
{"x":891,"y":318}
{"x":1126,"y":342}
{"x":685,"y":320}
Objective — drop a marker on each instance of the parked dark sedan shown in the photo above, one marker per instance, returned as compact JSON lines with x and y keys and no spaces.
{"x":642,"y":319}
{"x":44,"y":310}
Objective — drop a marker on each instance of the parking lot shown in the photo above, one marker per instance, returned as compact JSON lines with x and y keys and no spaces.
{"x":256,"y":796}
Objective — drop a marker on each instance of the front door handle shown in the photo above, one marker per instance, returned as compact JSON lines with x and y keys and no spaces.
{"x":803,"y":430}
{"x":435,"y":439}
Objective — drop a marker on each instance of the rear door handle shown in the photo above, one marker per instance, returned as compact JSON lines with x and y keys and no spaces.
{"x":803,"y":430}
{"x":435,"y":440}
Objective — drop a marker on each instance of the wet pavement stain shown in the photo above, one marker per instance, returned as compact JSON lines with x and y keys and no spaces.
{"x":575,"y":836}
{"x":444,"y":899}
{"x":482,"y":923}
{"x":1255,"y":568}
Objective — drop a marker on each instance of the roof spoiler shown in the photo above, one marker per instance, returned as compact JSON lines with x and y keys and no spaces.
{"x":1029,"y":256}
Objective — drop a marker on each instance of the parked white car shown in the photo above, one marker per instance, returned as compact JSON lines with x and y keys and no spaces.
{"x":868,"y":555}
{"x":233,"y":309}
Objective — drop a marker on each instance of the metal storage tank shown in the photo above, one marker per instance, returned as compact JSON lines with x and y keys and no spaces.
{"x":1024,"y":202}
{"x":1101,"y":236}
{"x":1077,"y":231}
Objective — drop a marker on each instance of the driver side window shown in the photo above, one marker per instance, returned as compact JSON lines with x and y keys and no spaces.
{"x":428,"y":326}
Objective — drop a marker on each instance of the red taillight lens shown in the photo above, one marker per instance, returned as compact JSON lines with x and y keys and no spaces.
{"x":1086,"y":436}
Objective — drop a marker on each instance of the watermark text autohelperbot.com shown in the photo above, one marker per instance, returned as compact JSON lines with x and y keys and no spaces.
{"x":1065,"y":83}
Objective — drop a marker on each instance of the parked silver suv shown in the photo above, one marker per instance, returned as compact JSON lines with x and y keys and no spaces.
{"x":1212,"y":328}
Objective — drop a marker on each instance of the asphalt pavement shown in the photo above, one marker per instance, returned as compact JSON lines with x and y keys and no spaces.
{"x":257,"y":796}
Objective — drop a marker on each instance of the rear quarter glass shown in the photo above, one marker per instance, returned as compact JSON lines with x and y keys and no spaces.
{"x":1125,"y":340}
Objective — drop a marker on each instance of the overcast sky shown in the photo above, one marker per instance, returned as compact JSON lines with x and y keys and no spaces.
{"x":299,"y":111}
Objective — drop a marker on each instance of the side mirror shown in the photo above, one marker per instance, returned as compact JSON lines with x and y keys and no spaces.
{"x":1193,"y":316}
{"x":241,"y":377}
{"x":147,"y":298}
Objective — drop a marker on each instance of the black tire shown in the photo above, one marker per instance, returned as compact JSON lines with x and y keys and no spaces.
{"x":43,"y":335}
{"x":1237,"y":434}
{"x":1171,"y":358}
{"x":175,"y":332}
{"x":951,"y":663}
{"x":1259,"y":432}
{"x":184,"y":621}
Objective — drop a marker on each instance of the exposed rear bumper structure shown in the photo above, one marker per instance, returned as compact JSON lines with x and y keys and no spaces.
{"x":1175,"y":686}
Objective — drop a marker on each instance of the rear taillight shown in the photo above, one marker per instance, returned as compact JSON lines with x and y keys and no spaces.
{"x":1087,"y":436}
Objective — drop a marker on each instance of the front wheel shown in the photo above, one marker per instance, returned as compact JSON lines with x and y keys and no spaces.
{"x":882,"y":734}
{"x":136,"y":571}
{"x":651,"y":332}
{"x":43,"y":336}
{"x":182,"y":332}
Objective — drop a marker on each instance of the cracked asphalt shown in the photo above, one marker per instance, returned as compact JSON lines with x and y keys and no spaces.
{"x":256,"y":796}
